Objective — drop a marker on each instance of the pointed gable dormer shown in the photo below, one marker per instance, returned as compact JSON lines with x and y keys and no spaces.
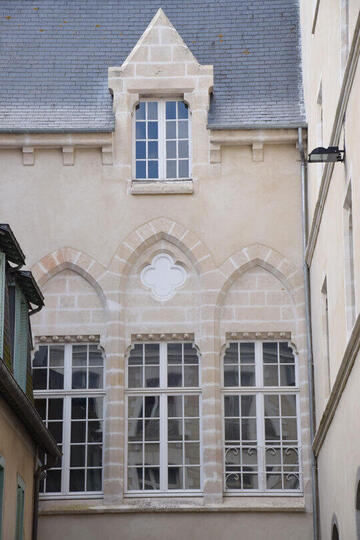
{"x":160,"y":66}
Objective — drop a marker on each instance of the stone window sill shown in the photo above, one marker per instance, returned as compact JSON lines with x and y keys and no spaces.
{"x":229,"y":504}
{"x":162,"y":187}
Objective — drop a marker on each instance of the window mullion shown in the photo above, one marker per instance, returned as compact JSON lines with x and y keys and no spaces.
{"x":163,"y":442}
{"x":162,"y":140}
{"x":65,"y":487}
{"x":261,"y":440}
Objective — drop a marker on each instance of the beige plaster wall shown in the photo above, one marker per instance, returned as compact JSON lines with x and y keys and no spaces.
{"x":339,"y":463}
{"x":18,"y":451}
{"x":181,"y":526}
{"x":72,"y":306}
{"x":336,"y":440}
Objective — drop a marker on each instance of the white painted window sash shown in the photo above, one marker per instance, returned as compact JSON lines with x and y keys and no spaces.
{"x":162,"y":140}
{"x":259,"y":390}
{"x":163,"y":391}
{"x":67,"y":394}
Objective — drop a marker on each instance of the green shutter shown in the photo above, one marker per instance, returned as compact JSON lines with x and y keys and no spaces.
{"x":20,"y":502}
{"x":2,"y":301}
{"x":21,"y":338}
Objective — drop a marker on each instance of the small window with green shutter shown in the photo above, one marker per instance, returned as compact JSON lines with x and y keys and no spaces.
{"x":21,"y":338}
{"x":2,"y":301}
{"x":20,"y":506}
{"x":2,"y":479}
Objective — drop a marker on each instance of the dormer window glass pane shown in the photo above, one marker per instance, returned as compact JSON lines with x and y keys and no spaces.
{"x":162,"y":149}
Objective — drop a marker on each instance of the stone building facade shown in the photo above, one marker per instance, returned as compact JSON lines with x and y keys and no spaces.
{"x":330,"y":38}
{"x":164,"y":226}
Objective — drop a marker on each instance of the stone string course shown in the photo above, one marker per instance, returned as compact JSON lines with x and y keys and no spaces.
{"x":255,"y":291}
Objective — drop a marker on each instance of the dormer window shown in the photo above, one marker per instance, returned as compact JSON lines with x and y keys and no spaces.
{"x":162,"y":140}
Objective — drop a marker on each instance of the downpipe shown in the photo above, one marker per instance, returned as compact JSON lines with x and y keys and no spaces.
{"x":310,"y":364}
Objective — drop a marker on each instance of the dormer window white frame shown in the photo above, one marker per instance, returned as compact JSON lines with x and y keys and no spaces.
{"x":161,"y":140}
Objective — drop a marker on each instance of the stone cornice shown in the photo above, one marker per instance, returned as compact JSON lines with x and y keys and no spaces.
{"x":253,"y":336}
{"x":162,"y":337}
{"x":68,"y":339}
{"x":348,"y":80}
{"x":347,"y":363}
{"x":67,"y":142}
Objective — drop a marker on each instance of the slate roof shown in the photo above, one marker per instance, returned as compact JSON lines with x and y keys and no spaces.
{"x":55,"y":55}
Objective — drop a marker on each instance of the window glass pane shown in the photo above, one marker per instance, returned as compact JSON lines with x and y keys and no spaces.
{"x":141,"y":169}
{"x":94,"y":480}
{"x":140,"y":130}
{"x":94,"y":455}
{"x":135,"y":377}
{"x":170,"y":110}
{"x":79,"y":378}
{"x":232,"y":406}
{"x":183,"y":129}
{"x":53,"y":481}
{"x":40,"y":379}
{"x":41,"y":357}
{"x":191,"y":376}
{"x":136,"y":355}
{"x":55,"y":409}
{"x":151,"y":478}
{"x":79,"y":355}
{"x":287,"y":375}
{"x":152,"y":112}
{"x":270,"y":353}
{"x":271,"y":376}
{"x":171,"y":149}
{"x":231,"y":375}
{"x":184,"y":168}
{"x":56,"y":378}
{"x":175,"y":478}
{"x":77,"y":480}
{"x":151,"y":406}
{"x":77,"y":455}
{"x":152,"y":150}
{"x":175,"y":406}
{"x":286,"y":354}
{"x":170,"y":169}
{"x":140,"y":150}
{"x":135,"y":406}
{"x":171,"y":130}
{"x":191,"y":406}
{"x":140,"y":111}
{"x":95,"y":356}
{"x":232,"y":354}
{"x":56,"y":356}
{"x":183,"y":111}
{"x":183,"y":149}
{"x":174,"y":353}
{"x":135,"y":478}
{"x":152,"y":454}
{"x":95,"y":377}
{"x":152,"y":130}
{"x":152,"y":353}
{"x":174,"y":376}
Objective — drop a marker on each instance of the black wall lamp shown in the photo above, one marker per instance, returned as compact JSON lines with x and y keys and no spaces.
{"x":326,"y":155}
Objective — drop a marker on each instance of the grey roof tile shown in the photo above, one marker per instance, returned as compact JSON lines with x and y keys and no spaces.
{"x":55,"y":56}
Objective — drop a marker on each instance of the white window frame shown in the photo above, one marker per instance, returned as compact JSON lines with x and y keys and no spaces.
{"x":161,"y":140}
{"x":259,"y":391}
{"x":163,"y":391}
{"x":67,"y":394}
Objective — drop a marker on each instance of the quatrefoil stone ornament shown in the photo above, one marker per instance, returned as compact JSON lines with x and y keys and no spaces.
{"x":163,"y":276}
